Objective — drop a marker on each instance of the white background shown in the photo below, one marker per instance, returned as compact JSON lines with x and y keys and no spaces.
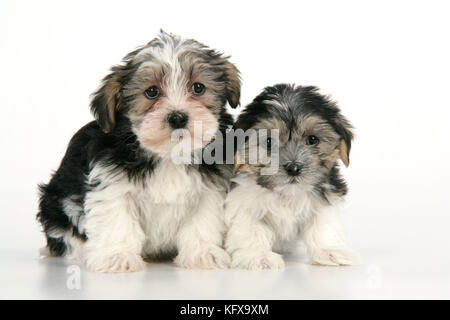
{"x":386,"y":63}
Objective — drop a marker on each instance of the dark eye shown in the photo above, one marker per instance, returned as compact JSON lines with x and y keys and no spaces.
{"x":152,"y":92}
{"x":268,"y":143}
{"x":198,"y":89}
{"x":311,"y":140}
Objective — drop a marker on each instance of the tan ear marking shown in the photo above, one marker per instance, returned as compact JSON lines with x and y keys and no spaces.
{"x":113,"y":99}
{"x":343,"y":153}
{"x":233,"y":84}
{"x":236,"y":166}
{"x":106,"y":101}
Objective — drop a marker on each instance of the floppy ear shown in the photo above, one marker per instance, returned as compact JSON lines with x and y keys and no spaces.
{"x":240,"y":167}
{"x":236,"y":166}
{"x":107,"y":100}
{"x":239,"y":151}
{"x":344,"y":130}
{"x":233,"y":84}
{"x":344,"y":153}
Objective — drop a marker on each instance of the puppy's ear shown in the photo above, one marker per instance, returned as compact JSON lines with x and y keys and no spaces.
{"x":239,"y":166}
{"x":107,"y":100}
{"x":236,"y":165}
{"x":344,"y":130}
{"x":344,"y":153}
{"x":233,"y":84}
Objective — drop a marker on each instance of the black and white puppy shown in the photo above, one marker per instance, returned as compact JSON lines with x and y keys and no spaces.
{"x":118,"y":196}
{"x":304,"y":134}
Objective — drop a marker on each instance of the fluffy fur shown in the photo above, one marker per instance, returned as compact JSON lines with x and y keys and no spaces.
{"x":267,"y":213}
{"x":118,"y":197}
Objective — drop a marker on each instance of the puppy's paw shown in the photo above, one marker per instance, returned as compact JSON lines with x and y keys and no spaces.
{"x":116,"y":263}
{"x":335,"y":257}
{"x":212,"y":258}
{"x":265,"y":260}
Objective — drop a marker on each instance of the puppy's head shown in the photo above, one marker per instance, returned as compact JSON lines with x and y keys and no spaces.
{"x":169,"y":84}
{"x":301,"y":129}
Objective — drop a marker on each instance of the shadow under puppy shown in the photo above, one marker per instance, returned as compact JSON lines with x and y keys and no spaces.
{"x":118,"y":196}
{"x":290,"y":193}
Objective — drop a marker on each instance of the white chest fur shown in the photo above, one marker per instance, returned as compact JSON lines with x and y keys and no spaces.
{"x":262,"y":223}
{"x":160,"y":204}
{"x":170,"y":196}
{"x":171,"y":184}
{"x":285,"y":212}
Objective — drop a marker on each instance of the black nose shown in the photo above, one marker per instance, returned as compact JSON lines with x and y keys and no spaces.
{"x":293,"y":169}
{"x":177,"y":119}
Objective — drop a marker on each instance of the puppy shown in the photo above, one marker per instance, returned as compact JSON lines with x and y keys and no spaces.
{"x":303,"y":134}
{"x":119,"y":195}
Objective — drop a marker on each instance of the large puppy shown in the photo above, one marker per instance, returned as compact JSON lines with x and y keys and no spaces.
{"x":119,"y":196}
{"x":291,"y":192}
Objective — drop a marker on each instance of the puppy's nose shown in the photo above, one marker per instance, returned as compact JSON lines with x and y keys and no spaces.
{"x":177,"y":119}
{"x":293,"y":169}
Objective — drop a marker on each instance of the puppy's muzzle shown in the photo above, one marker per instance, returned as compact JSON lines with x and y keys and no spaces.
{"x":293,"y":169}
{"x":177,"y":119}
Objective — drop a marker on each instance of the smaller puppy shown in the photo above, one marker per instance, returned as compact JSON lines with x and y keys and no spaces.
{"x":292,"y":191}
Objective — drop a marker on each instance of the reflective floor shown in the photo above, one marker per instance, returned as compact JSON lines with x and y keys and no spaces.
{"x":23,"y":275}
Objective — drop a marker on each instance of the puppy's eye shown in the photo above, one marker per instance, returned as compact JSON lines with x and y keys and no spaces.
{"x":268,"y":143}
{"x":198,"y":89}
{"x":311,"y":140}
{"x":152,"y":92}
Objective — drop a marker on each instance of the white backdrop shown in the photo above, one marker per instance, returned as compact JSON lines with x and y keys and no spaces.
{"x":386,"y":63}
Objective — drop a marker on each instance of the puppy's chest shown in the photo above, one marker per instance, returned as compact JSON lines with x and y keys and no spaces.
{"x":170,"y":194}
{"x":286,"y":214}
{"x":172,"y":185}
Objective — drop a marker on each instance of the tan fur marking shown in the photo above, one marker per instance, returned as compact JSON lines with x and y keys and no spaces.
{"x":112,"y":89}
{"x":236,"y":165}
{"x":343,"y":153}
{"x":233,"y":85}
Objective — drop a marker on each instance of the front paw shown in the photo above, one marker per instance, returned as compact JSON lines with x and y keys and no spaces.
{"x":116,"y":263}
{"x":213,"y":257}
{"x":258,"y":261}
{"x":335,"y":257}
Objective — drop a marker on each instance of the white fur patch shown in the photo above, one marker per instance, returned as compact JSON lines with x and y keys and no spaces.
{"x":172,"y":209}
{"x":261,"y":221}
